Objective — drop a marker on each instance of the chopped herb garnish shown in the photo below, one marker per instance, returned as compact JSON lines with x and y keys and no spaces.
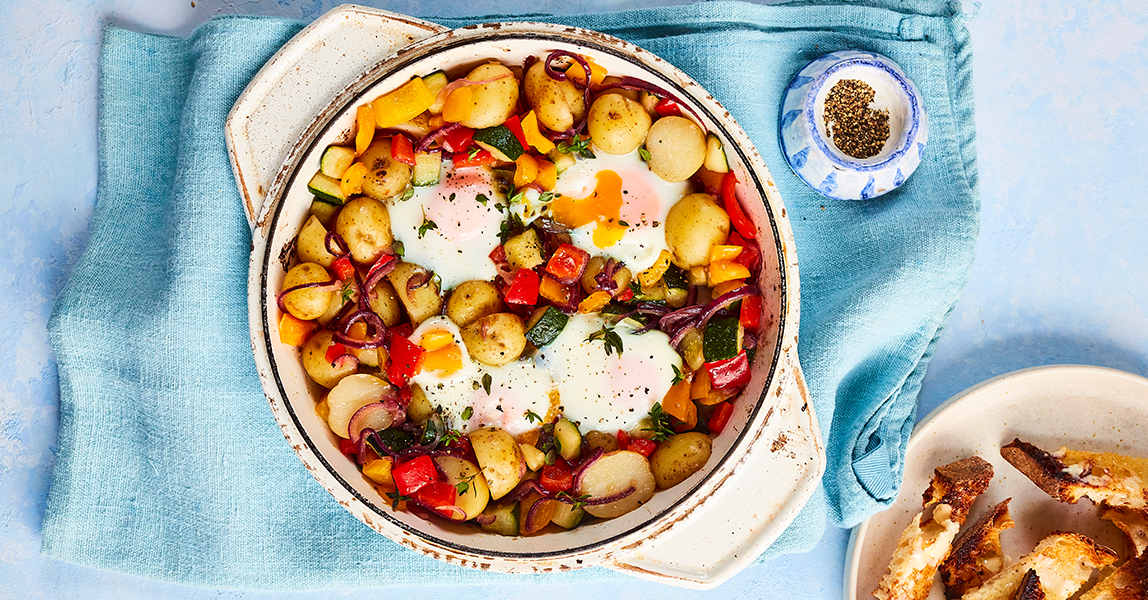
{"x":486,"y":381}
{"x":512,"y":226}
{"x":575,"y":502}
{"x":532,"y":416}
{"x":482,"y":199}
{"x":678,"y":375}
{"x":660,"y":421}
{"x":473,"y":152}
{"x":546,"y":196}
{"x":623,"y":223}
{"x":396,"y":498}
{"x":397,"y":246}
{"x":467,"y":413}
{"x":426,"y":226}
{"x":407,"y":195}
{"x":579,"y":146}
{"x":610,"y":339}
{"x":451,"y":436}
{"x":463,"y":486}
{"x":645,"y":154}
{"x":347,"y":292}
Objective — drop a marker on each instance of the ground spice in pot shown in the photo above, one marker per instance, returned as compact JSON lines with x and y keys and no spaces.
{"x":857,"y":129}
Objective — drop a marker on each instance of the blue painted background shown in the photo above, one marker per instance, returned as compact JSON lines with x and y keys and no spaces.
{"x":1061,"y":274}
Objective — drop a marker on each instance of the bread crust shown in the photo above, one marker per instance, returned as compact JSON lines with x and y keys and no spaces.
{"x":927,"y":540}
{"x":976,"y":554}
{"x":1069,"y":475}
{"x":1134,"y":524}
{"x":1064,"y":557}
{"x":1129,"y":582}
{"x":1029,"y":588}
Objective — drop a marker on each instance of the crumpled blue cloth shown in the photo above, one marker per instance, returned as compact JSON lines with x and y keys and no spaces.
{"x":170,"y":464}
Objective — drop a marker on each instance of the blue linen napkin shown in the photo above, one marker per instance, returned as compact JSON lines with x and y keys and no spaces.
{"x":169,"y":463}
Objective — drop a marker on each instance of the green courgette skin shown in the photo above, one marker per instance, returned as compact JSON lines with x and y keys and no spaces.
{"x":720,"y":341}
{"x":500,"y":140}
{"x":546,"y":330}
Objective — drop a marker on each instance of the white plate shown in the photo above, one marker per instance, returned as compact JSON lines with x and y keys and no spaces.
{"x":1086,"y":408}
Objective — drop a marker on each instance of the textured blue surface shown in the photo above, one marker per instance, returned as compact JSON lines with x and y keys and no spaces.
{"x":1061,"y":274}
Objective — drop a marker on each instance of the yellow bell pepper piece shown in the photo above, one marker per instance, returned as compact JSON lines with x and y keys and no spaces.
{"x":594,"y":302}
{"x":435,"y":339}
{"x":597,"y":72}
{"x":649,"y":277}
{"x":353,"y":178}
{"x":700,"y":387}
{"x":402,"y":103}
{"x":677,"y":403}
{"x":526,"y":170}
{"x":365,"y":119}
{"x":721,"y":252}
{"x":447,"y":359}
{"x":534,"y":135}
{"x":725,"y":270}
{"x":293,"y":331}
{"x":323,"y":409}
{"x":379,"y":471}
{"x":458,"y":106}
{"x":547,"y":174}
{"x":722,"y":289}
{"x":358,"y":331}
{"x":553,"y":291}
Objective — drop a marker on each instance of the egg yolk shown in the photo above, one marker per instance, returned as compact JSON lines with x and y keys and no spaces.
{"x":603,"y":207}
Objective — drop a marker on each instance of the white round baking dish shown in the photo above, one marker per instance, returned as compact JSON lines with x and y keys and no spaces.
{"x":699,"y":533}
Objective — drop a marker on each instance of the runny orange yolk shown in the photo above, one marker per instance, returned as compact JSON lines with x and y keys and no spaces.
{"x":602,"y":207}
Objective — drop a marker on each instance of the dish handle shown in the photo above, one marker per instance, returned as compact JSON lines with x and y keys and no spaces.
{"x":735,"y":524}
{"x":299,"y":82}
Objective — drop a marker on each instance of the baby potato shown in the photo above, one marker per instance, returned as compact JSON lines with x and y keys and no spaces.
{"x":365,"y":225}
{"x":610,"y":475}
{"x":677,"y":148}
{"x":617,"y":125}
{"x":634,"y":95}
{"x":558,"y":104}
{"x":386,"y":303}
{"x":496,"y":339}
{"x":316,"y":364}
{"x":471,"y":301}
{"x":680,"y":456}
{"x":500,"y":458}
{"x":386,"y":177}
{"x":598,"y":439}
{"x":493,"y":102}
{"x":420,"y":408}
{"x":421,"y":301}
{"x":311,"y":245}
{"x":464,"y":475}
{"x":694,"y":224}
{"x":308,"y":303}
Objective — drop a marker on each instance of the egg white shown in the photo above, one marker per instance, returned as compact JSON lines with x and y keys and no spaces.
{"x":458,"y":248}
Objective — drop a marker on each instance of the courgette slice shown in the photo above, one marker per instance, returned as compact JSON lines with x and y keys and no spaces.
{"x":505,"y":518}
{"x":336,"y":160}
{"x":327,"y":189}
{"x":676,"y":278}
{"x":715,"y":155}
{"x":545,"y":325}
{"x":567,"y":516}
{"x":722,"y":338}
{"x":568,"y":439}
{"x":325,"y":212}
{"x":428,"y":169}
{"x":499,"y":141}
{"x":435,"y":83}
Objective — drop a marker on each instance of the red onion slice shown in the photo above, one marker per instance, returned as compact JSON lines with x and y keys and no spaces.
{"x":608,"y":499}
{"x":724,"y":301}
{"x":430,"y":138}
{"x":375,"y":416}
{"x":373,"y":321}
{"x":325,"y":286}
{"x":340,"y":248}
{"x":589,"y":460}
{"x":632,"y":83}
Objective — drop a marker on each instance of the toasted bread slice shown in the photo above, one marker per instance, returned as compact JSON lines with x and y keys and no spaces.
{"x":1029,"y":588}
{"x":976,"y":554}
{"x":1069,"y":475}
{"x":1063,"y":562}
{"x":927,"y":540}
{"x":1129,"y":582}
{"x":1134,"y":524}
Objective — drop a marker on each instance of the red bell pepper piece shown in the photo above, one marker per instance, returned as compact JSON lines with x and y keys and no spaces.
{"x":750,"y":256}
{"x":737,"y":218}
{"x":642,"y":446}
{"x":412,"y":475}
{"x":406,"y":360}
{"x":404,"y":330}
{"x":480,"y":159}
{"x":556,"y":478}
{"x":731,"y":372}
{"x":334,"y":351}
{"x":458,"y":140}
{"x":438,"y":496}
{"x":666,"y":107}
{"x":343,"y":268}
{"x":623,"y":440}
{"x":515,"y":127}
{"x":523,"y":288}
{"x":720,"y":417}
{"x":568,"y":263}
{"x":348,"y":447}
{"x":626,"y":295}
{"x":402,"y":150}
{"x":750,"y":313}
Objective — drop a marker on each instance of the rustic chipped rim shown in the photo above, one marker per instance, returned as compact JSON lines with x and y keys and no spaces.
{"x":784,"y":371}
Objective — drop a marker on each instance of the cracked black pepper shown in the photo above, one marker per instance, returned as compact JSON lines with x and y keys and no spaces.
{"x":855,"y":128}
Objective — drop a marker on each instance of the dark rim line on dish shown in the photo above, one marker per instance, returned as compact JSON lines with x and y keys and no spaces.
{"x":815,"y":133}
{"x":387,"y":68}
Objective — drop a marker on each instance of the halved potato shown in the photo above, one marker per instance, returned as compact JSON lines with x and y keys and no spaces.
{"x":475,"y":494}
{"x":501,"y":460}
{"x":613,"y":474}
